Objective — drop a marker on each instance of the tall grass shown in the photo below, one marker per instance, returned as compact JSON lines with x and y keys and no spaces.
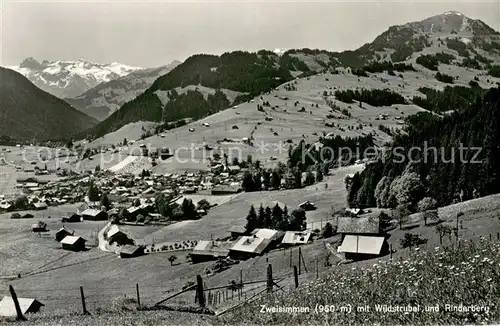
{"x":469,"y":275}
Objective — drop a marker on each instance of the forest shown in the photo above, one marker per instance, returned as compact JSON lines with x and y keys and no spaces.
{"x":457,"y":159}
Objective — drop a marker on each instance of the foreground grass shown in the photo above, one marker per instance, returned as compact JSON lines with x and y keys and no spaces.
{"x":469,"y":275}
{"x":139,"y":318}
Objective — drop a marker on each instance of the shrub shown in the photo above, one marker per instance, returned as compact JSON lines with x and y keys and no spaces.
{"x":444,"y":78}
{"x":411,"y":240}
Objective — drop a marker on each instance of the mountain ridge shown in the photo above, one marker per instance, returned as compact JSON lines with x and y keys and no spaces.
{"x":244,"y":71}
{"x":27,"y":112}
{"x":65,"y":78}
{"x":105,"y":98}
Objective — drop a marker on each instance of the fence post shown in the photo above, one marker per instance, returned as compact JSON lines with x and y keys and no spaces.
{"x":390,"y":249}
{"x":269,"y":278}
{"x":295,"y":277}
{"x":199,"y":291}
{"x":300,"y":263}
{"x":317,"y":268}
{"x":498,"y":235}
{"x":241,"y":276}
{"x":291,"y":257}
{"x":137,"y":293}
{"x":16,"y":304}
{"x":490,"y":236}
{"x":84,"y":307}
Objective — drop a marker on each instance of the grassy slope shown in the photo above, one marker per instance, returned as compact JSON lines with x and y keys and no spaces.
{"x":28,"y":112}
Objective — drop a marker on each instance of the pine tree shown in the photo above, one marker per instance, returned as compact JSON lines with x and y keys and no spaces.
{"x":275,"y":180}
{"x":277,"y":216}
{"x":248,"y":182}
{"x":262,"y":217}
{"x":93,"y":192}
{"x":105,"y":201}
{"x":252,"y":220}
{"x":268,"y":217}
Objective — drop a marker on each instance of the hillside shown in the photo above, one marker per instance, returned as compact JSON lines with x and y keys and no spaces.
{"x":459,"y":160}
{"x":64,"y":78}
{"x":27,"y":112}
{"x":244,"y":72}
{"x":107,"y":97}
{"x":450,"y":39}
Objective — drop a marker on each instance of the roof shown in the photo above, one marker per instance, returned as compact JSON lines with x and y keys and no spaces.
{"x":71,"y":239}
{"x":361,"y":225}
{"x":267,"y":234}
{"x":91,"y":212}
{"x":113,"y":230}
{"x":238,"y":229}
{"x":212,"y":248}
{"x":251,"y":244}
{"x":63,"y":229}
{"x":361,"y":244}
{"x":8,"y":309}
{"x":40,"y":204}
{"x":129,"y":249}
{"x":295,"y":237}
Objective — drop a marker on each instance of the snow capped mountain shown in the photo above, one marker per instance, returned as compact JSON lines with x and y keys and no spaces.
{"x":70,"y":78}
{"x":100,"y":101}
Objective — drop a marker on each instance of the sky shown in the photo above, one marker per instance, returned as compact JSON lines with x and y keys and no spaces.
{"x":154,"y":33}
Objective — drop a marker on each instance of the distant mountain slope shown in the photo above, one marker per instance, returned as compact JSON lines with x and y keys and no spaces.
{"x":104,"y":99}
{"x":243,"y":72}
{"x":70,"y":78}
{"x":27,"y":112}
{"x":450,"y":38}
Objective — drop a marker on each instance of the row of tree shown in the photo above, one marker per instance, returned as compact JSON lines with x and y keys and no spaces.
{"x":275,"y":218}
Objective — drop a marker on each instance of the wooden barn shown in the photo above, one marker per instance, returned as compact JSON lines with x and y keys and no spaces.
{"x":129,"y":251}
{"x":238,"y":231}
{"x":361,"y":238}
{"x":208,"y":250}
{"x":295,"y":238}
{"x":359,"y":247}
{"x":73,"y":243}
{"x":91,"y":214}
{"x":115,"y":235}
{"x":74,"y":218}
{"x":62,"y":233}
{"x":28,"y":306}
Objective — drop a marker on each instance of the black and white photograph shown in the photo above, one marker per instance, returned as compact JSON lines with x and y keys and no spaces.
{"x":249,"y":162}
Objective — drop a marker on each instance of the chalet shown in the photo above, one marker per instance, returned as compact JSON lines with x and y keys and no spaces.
{"x":274,"y":236}
{"x":62,"y":233}
{"x":208,"y":250}
{"x":39,"y":227}
{"x":6,"y":207}
{"x":94,"y":215}
{"x":28,"y":306}
{"x":248,"y":247}
{"x":73,"y":243}
{"x":129,"y":251}
{"x":115,"y":235}
{"x":40,"y":206}
{"x":72,"y":219}
{"x":238,"y":231}
{"x":307,"y":206}
{"x":293,"y":238}
{"x":358,"y":226}
{"x":358,"y":247}
{"x":135,"y":211}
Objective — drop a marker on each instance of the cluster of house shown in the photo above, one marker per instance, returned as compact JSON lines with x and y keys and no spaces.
{"x":247,"y":245}
{"x":360,"y":238}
